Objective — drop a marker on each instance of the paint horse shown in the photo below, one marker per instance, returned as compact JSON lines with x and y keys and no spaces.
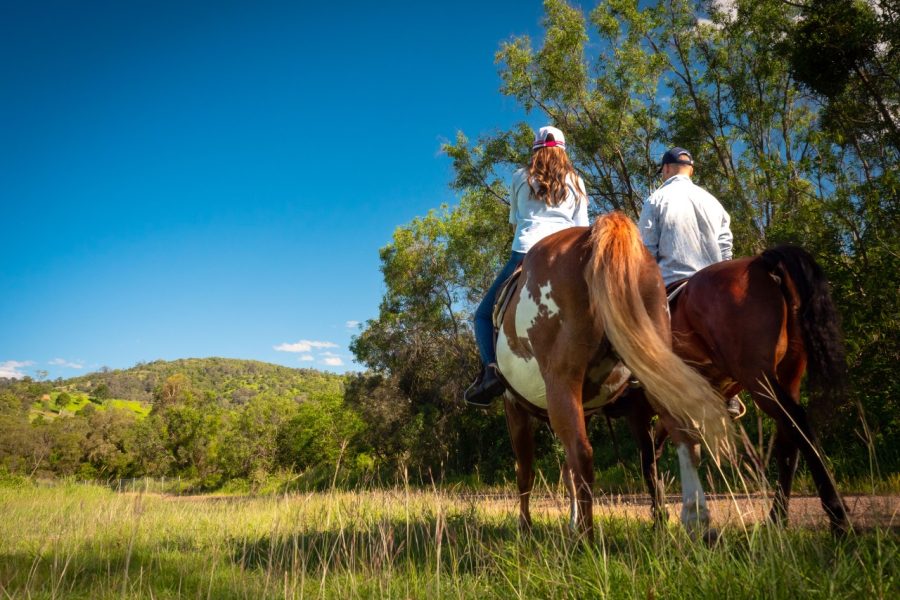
{"x":589,"y":306}
{"x":757,"y":324}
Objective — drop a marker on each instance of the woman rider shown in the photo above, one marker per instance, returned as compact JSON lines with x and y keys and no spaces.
{"x":545,"y":197}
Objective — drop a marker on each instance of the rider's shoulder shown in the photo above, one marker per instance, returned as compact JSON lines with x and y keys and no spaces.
{"x":521,"y":174}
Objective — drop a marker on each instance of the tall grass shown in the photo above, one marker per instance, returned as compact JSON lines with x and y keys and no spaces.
{"x":76,"y":541}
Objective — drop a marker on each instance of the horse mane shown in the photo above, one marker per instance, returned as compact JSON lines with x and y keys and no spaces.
{"x":819,"y":321}
{"x":613,"y":276}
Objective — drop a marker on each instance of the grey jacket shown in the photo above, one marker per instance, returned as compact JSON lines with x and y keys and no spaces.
{"x":685,"y":228}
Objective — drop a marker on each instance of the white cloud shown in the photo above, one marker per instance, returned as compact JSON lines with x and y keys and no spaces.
{"x":728,"y":8}
{"x":352,"y":324}
{"x":331,"y":359}
{"x":304,"y":346}
{"x":306,"y":358}
{"x":10,"y":368}
{"x":724,"y":10}
{"x":61,"y":362}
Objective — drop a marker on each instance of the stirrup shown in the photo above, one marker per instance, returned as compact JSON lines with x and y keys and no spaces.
{"x":735,"y":408}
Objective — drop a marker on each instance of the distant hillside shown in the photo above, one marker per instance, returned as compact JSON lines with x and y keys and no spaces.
{"x":226,"y":380}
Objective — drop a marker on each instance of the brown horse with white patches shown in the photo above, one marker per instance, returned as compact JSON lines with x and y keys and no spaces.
{"x":757,"y":324}
{"x":589,"y":306}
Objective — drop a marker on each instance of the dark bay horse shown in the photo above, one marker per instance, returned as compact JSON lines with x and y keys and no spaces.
{"x":590,"y":300}
{"x":757,"y":324}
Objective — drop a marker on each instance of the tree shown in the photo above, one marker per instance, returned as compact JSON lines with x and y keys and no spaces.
{"x":848,"y":52}
{"x":63,"y":400}
{"x":176,"y":388}
{"x":18,"y":443}
{"x":67,"y":436}
{"x":625,"y":82}
{"x":108,"y":444}
{"x":101,"y":392}
{"x":318,"y":435}
{"x":435,"y":269}
{"x":249,"y":438}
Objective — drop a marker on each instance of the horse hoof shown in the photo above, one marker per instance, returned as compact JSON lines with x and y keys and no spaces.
{"x":840,"y":530}
{"x":711,"y":537}
{"x":660,"y":521}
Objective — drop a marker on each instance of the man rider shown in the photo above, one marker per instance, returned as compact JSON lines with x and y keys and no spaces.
{"x":685,"y":228}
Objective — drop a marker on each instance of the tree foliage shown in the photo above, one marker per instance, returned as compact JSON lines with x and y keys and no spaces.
{"x":743,"y":85}
{"x":434,"y":270}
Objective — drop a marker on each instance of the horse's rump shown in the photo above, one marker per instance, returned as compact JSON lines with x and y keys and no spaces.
{"x":536,"y":304}
{"x":746,"y":319}
{"x":583,"y":309}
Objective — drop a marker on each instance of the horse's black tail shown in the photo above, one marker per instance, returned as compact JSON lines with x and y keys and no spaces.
{"x":819,"y":322}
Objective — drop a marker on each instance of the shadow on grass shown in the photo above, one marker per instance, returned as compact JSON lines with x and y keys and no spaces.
{"x":462,"y":543}
{"x":87,"y":573}
{"x":459,"y":543}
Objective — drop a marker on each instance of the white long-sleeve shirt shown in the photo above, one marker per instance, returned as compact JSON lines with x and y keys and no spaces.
{"x":685,"y":228}
{"x":535,"y":220}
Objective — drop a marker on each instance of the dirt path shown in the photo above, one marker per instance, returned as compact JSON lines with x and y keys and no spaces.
{"x":805,"y":511}
{"x":866,"y":511}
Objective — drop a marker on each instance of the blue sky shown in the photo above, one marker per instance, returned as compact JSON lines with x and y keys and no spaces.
{"x":190,"y":179}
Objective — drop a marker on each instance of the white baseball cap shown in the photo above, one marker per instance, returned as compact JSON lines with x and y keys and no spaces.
{"x":549,"y":137}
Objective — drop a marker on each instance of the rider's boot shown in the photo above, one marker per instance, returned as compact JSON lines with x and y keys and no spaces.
{"x":486,"y":387}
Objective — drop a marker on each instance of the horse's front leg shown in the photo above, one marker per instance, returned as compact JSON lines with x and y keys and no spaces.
{"x":567,"y":421}
{"x":694,"y":510}
{"x":521,"y":433}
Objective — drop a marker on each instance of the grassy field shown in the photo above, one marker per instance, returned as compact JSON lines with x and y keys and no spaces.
{"x":77,"y":541}
{"x":51,"y":408}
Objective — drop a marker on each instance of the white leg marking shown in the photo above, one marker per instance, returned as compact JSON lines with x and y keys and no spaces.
{"x":694,"y":513}
{"x":569,"y":479}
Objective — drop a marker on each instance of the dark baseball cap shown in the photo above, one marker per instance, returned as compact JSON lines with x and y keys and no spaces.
{"x":675,"y":156}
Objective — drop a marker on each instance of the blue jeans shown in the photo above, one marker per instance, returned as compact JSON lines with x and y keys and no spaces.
{"x":484,"y":326}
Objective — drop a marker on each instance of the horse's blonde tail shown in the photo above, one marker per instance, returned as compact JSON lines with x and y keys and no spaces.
{"x":612,"y":276}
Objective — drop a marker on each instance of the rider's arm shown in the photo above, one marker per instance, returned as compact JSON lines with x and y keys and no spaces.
{"x":648,"y":224}
{"x":581,"y":209}
{"x":726,"y":240}
{"x":513,"y":192}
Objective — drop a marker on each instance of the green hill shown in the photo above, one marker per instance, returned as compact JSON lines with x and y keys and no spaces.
{"x":223,"y":381}
{"x":208,"y":421}
{"x":226,"y":381}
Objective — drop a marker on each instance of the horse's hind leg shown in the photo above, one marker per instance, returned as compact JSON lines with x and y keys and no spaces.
{"x":786,"y":455}
{"x":795,"y":433}
{"x":569,"y":482}
{"x":521,"y":433}
{"x":567,"y":421}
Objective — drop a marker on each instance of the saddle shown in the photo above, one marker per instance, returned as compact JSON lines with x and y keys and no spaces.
{"x":673,"y":290}
{"x":502,"y":301}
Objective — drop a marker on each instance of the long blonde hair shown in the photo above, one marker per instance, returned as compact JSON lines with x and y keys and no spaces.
{"x":549,"y":176}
